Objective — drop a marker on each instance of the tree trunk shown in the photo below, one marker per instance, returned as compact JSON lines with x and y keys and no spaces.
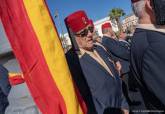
{"x":118,"y":23}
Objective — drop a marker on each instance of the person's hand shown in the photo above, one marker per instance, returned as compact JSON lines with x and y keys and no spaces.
{"x":125,"y":111}
{"x":118,"y":66}
{"x":114,"y":37}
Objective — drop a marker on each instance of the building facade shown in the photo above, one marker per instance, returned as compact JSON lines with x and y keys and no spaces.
{"x":129,"y":23}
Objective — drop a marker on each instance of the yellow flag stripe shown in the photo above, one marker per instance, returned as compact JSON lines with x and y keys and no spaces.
{"x":53,"y":52}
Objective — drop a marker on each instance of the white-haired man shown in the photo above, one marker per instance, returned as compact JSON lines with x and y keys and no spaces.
{"x":148,"y":54}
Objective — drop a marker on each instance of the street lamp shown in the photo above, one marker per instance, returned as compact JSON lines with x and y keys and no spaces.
{"x":56,"y":16}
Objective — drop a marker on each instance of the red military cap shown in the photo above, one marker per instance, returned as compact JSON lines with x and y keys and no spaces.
{"x":77,"y":21}
{"x":91,"y":22}
{"x":106,"y":25}
{"x":133,"y":1}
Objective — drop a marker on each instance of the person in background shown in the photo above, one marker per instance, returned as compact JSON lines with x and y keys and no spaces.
{"x":98,"y":40}
{"x":4,"y":89}
{"x":98,"y":68}
{"x":112,"y":45}
{"x":108,"y":31}
{"x":125,"y":70}
{"x":118,"y":49}
{"x":125,"y":64}
{"x":123,"y":39}
{"x":120,"y":52}
{"x":148,"y":53}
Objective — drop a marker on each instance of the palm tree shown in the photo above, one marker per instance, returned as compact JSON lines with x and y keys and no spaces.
{"x":115,"y":14}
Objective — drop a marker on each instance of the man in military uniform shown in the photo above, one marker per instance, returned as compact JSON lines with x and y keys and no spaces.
{"x":112,"y":44}
{"x":98,"y":68}
{"x":119,"y":50}
{"x":148,"y":53}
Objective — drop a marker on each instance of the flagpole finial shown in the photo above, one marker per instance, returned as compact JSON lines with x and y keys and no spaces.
{"x":56,"y":13}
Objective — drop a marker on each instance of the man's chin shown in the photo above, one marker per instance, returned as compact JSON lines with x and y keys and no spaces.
{"x":89,"y":48}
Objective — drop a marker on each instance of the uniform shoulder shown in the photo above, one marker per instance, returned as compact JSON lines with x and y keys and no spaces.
{"x":139,"y":37}
{"x":3,"y":69}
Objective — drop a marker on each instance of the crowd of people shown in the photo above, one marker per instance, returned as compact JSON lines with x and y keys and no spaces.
{"x":120,"y":75}
{"x":115,"y":76}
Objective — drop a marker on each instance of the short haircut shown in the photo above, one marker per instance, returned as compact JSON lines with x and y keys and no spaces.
{"x":105,"y":31}
{"x":138,"y":8}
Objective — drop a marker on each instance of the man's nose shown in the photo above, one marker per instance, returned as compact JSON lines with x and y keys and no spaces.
{"x":89,"y":33}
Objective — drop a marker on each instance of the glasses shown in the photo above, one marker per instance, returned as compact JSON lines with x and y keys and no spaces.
{"x":85,"y":32}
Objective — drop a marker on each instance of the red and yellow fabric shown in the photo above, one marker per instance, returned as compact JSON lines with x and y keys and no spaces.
{"x":16,"y":78}
{"x":36,"y":45}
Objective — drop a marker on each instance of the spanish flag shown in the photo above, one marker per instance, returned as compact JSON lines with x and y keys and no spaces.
{"x":36,"y":45}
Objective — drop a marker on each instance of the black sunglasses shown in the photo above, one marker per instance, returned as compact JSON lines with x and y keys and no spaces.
{"x":85,"y":32}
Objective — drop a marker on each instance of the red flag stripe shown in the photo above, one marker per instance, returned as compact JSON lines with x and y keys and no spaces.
{"x":27,"y":50}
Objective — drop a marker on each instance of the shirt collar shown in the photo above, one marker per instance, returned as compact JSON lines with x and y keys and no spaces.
{"x":152,"y":27}
{"x":83,"y":51}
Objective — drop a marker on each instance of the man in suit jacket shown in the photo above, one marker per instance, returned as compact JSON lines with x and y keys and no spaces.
{"x":148,"y":55}
{"x":112,"y":44}
{"x":119,"y":49}
{"x":98,"y":68}
{"x":125,"y":64}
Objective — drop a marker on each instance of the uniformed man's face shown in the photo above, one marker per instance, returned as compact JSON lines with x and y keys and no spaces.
{"x":111,"y":33}
{"x":84,"y":38}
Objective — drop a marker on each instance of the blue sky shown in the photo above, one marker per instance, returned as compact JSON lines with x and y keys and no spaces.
{"x":95,"y":9}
